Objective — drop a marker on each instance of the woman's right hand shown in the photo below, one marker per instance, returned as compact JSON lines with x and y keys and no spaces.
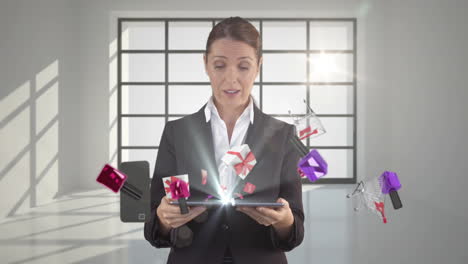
{"x":170,"y":217}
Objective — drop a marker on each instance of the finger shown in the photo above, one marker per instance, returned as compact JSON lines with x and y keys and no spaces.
{"x":254,"y":217}
{"x":169,"y":207}
{"x":265,"y":217}
{"x":270,"y":213}
{"x":177,"y":216}
{"x":257,"y":216}
{"x":284,"y":201}
{"x":172,"y":216}
{"x":175,"y":208}
{"x":196,"y":211}
{"x":165,"y":200}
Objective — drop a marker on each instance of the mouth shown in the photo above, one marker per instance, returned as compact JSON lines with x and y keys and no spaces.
{"x":231,"y":92}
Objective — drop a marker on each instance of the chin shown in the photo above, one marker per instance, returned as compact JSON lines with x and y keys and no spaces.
{"x":235,"y":102}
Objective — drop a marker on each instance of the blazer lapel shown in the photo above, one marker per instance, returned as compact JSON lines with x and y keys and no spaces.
{"x":201,"y":152}
{"x":254,"y":137}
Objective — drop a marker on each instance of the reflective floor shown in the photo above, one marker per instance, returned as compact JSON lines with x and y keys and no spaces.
{"x":86,"y":228}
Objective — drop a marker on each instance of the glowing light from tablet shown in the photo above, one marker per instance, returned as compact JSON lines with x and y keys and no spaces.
{"x":225,"y":199}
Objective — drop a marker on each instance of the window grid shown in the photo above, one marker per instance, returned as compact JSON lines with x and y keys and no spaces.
{"x":261,"y":83}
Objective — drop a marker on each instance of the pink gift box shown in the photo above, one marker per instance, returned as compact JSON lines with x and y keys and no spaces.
{"x":249,"y":188}
{"x":111,"y":178}
{"x":168,"y":180}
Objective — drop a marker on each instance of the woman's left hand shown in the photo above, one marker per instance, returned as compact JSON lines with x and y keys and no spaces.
{"x":280,"y":218}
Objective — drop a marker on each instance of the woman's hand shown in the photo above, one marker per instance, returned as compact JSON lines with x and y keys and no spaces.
{"x":280,"y":218}
{"x":170,"y":217}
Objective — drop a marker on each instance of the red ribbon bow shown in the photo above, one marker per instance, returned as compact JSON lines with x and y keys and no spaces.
{"x":243,"y":167}
{"x":168,"y":182}
{"x":380,"y":207}
{"x":307,"y":132}
{"x":179,"y":189}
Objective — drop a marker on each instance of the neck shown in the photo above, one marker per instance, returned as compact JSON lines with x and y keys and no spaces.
{"x":230,"y":114}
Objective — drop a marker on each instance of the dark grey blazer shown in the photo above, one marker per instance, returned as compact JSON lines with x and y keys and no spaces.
{"x":187,"y":147}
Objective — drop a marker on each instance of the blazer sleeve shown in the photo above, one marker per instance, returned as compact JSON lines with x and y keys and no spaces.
{"x":165,"y":166}
{"x":291,"y":190}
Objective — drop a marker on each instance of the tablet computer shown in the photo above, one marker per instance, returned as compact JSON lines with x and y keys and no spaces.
{"x":236,"y":203}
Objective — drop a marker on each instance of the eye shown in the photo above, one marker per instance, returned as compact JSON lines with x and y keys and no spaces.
{"x":244,"y":66}
{"x":218,"y":67}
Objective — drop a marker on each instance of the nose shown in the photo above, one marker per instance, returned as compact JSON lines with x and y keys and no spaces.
{"x":231,"y":76}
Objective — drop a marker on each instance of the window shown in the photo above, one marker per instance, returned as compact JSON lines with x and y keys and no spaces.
{"x":160,"y":66}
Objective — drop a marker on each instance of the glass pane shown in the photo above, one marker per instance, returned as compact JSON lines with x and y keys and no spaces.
{"x":141,"y":154}
{"x":278,"y":99}
{"x":340,"y":162}
{"x":142,"y":131}
{"x":331,"y":99}
{"x":143,"y":99}
{"x":327,"y":67}
{"x":187,"y":99}
{"x":339,"y":132}
{"x":284,"y":35}
{"x":143,"y":67}
{"x":187,"y":68}
{"x":143,"y":35}
{"x":188,"y":35}
{"x":284,"y":67}
{"x":331,"y":35}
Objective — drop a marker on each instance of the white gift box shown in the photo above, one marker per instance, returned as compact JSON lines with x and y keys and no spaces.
{"x":241,"y":159}
{"x":309,"y":126}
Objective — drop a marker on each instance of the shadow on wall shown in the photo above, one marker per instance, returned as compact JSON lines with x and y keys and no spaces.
{"x":29,"y":136}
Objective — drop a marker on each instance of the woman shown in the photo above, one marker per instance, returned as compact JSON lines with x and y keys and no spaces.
{"x":197,"y":142}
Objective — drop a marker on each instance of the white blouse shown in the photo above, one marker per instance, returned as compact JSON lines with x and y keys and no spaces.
{"x":221,"y":144}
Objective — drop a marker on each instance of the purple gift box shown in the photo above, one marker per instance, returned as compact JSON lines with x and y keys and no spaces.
{"x":313,"y":166}
{"x":390,"y":182}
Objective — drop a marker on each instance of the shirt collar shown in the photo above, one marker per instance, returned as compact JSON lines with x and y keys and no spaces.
{"x":211,"y":109}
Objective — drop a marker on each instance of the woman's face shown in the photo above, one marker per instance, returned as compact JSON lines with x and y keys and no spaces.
{"x":232,"y":68}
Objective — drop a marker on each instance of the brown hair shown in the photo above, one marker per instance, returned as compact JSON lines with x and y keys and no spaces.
{"x":236,"y":28}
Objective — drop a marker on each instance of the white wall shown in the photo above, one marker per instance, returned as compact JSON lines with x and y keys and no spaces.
{"x":39,"y":103}
{"x":427,"y":84}
{"x":420,"y":115}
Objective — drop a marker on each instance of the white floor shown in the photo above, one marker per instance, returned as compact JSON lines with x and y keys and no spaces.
{"x":85,"y":228}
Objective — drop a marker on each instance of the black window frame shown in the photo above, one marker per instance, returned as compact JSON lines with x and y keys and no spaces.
{"x":260,"y":84}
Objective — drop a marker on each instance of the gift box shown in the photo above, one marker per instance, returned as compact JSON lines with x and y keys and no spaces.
{"x":313,"y":166}
{"x":241,"y":159}
{"x":179,"y":189}
{"x":167,"y":181}
{"x":389,"y":181}
{"x":249,"y":188}
{"x":112,"y":178}
{"x":308,"y":126}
